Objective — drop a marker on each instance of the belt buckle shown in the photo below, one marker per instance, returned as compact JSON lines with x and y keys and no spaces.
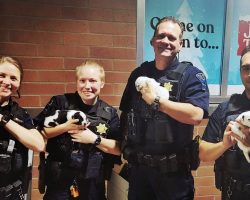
{"x":246,"y":188}
{"x":149,"y":160}
{"x":173,"y":163}
{"x":140,"y":157}
{"x":172,"y":156}
{"x":162,"y":158}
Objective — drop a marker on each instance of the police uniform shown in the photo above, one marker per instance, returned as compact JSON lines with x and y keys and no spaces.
{"x":232,"y":171}
{"x":157,"y":149}
{"x":81,"y":166}
{"x":14,"y":174}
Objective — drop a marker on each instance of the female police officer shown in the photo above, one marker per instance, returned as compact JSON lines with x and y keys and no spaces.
{"x":17,"y":133}
{"x":79,"y":170}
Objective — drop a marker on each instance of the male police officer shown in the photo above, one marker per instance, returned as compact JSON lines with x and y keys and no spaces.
{"x":232,"y":171}
{"x":160,"y":130}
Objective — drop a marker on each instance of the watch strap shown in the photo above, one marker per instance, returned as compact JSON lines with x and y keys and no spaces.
{"x":156,"y":103}
{"x":98,"y":140}
{"x":157,"y":99}
{"x":5,"y":119}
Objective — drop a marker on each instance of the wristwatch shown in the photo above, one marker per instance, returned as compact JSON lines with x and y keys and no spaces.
{"x":5,"y":119}
{"x":98,"y":140}
{"x":156,"y":104}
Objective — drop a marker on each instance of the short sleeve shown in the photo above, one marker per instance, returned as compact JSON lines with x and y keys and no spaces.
{"x":27,"y":120}
{"x":213,"y":132}
{"x":115,"y":127}
{"x":195,"y":89}
{"x":48,"y":109}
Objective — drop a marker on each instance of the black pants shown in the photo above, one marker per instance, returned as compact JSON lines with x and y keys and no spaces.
{"x":89,"y":189}
{"x":147,"y":183}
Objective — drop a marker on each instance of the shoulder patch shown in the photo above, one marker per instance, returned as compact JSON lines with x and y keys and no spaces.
{"x":202,"y":78}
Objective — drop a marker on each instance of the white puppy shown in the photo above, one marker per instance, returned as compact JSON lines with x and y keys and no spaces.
{"x":244,"y":118}
{"x":144,"y":81}
{"x":61,"y":116}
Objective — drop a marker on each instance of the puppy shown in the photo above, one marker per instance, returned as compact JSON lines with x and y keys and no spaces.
{"x":244,"y":118}
{"x":61,"y":116}
{"x":144,"y":81}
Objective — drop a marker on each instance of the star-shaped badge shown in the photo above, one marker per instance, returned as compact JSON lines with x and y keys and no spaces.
{"x":168,"y":86}
{"x":101,"y":128}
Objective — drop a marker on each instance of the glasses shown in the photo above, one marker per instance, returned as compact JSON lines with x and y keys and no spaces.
{"x":245,"y":68}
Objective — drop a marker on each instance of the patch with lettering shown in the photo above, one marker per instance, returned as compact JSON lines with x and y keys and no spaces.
{"x":202,"y":78}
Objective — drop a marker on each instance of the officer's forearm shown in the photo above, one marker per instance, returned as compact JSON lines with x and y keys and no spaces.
{"x":110,"y":146}
{"x":30,"y":138}
{"x":182,"y":112}
{"x":211,"y":151}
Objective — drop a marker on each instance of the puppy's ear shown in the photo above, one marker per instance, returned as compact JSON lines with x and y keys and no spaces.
{"x":243,"y":117}
{"x":52,"y":124}
{"x":147,"y":83}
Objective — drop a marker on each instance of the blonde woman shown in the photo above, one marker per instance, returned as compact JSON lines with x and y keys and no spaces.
{"x":82,"y":157}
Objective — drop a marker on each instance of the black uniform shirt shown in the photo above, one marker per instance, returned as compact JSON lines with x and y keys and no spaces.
{"x":238,"y":166}
{"x":59,"y":103}
{"x":21,"y":117}
{"x":216,"y":125}
{"x":194,"y":90}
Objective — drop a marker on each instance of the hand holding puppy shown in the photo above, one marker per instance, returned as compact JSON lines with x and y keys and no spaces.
{"x":150,"y":89}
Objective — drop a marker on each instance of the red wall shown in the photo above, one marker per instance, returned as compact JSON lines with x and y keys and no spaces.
{"x":52,"y":37}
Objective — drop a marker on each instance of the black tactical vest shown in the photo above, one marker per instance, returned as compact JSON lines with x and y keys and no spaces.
{"x":233,"y":160}
{"x":61,"y":146}
{"x":19,"y":156}
{"x":155,"y":126}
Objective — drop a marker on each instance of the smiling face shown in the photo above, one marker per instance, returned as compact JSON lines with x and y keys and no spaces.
{"x":90,"y":81}
{"x":10,"y":78}
{"x":167,"y":40}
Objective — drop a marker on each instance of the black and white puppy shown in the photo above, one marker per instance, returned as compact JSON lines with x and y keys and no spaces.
{"x":61,"y":116}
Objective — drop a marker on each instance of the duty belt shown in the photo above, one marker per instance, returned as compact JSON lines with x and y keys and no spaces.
{"x":12,"y":191}
{"x":165,"y":163}
{"x":240,"y":185}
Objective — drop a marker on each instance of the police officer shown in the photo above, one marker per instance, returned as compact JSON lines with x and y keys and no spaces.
{"x":160,"y":130}
{"x":232,"y":171}
{"x":81,"y":158}
{"x":17,"y":133}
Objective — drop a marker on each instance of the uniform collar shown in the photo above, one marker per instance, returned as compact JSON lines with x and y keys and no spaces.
{"x":155,"y":73}
{"x":7,"y":106}
{"x":84,"y":107}
{"x":245,"y":101}
{"x":172,"y":65}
